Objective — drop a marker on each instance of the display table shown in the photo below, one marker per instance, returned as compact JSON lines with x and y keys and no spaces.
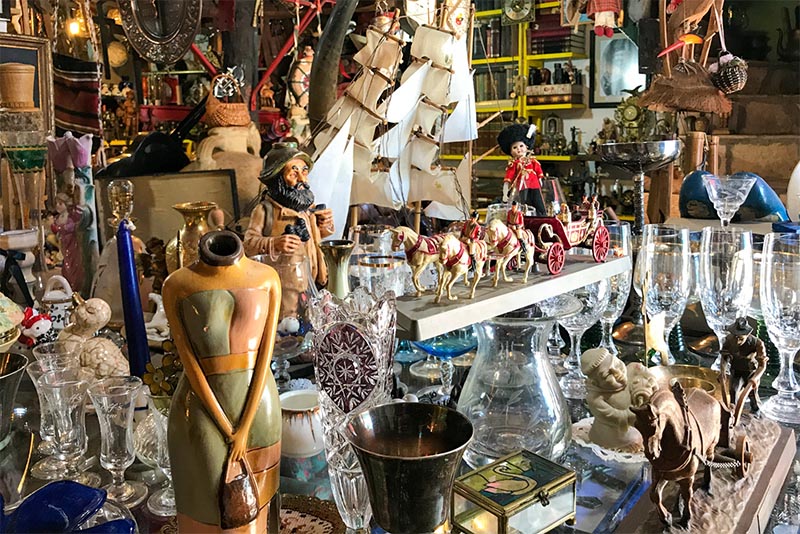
{"x":697,"y":225}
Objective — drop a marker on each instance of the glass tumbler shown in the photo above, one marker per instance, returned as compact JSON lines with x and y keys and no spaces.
{"x":57,"y":348}
{"x":65,"y":391}
{"x":162,"y":502}
{"x":50,"y":467}
{"x":619,"y":285}
{"x":114,"y":400}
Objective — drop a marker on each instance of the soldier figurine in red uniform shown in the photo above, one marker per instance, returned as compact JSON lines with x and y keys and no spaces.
{"x":471,"y":229}
{"x":523,"y":172}
{"x":604,"y":13}
{"x":515,"y":220}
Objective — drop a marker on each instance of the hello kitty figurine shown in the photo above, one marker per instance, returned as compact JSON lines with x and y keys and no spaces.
{"x":36,"y":328}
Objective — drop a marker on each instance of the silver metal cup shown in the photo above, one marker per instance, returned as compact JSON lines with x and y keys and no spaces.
{"x":409,"y":453}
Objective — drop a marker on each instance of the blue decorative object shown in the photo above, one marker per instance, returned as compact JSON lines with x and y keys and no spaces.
{"x":135,"y":333}
{"x":762,"y":204}
{"x":61,"y":507}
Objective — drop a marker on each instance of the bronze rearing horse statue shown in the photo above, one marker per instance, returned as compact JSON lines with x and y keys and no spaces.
{"x":680,"y":431}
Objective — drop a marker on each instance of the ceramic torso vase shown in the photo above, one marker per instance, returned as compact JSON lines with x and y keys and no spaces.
{"x":182,"y":251}
{"x":223,"y":313}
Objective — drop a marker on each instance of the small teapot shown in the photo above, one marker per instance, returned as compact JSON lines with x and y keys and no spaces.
{"x":791,"y":50}
{"x":57,"y":301}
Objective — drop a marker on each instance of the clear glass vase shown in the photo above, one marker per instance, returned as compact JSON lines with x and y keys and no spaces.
{"x":511,"y":394}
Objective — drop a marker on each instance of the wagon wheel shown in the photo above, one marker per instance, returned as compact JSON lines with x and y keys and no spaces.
{"x":743,"y":454}
{"x":600,"y":244}
{"x":555,"y":258}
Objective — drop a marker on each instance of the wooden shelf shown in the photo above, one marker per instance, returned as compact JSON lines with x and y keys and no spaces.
{"x":493,"y":60}
{"x":493,"y":106}
{"x":420,"y":318}
{"x":559,"y":158}
{"x":555,"y":55}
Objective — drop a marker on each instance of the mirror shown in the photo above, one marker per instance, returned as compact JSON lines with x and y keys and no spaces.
{"x":161,"y":30}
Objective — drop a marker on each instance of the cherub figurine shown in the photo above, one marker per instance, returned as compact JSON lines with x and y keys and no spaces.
{"x":748,"y":360}
{"x":128,"y":112}
{"x":523,"y":172}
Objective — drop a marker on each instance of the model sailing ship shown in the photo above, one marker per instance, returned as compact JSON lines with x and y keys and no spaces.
{"x":385,"y":141}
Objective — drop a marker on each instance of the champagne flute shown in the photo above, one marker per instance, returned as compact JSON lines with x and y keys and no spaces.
{"x":726,"y":278}
{"x":593,"y":300}
{"x":665,"y":269}
{"x":780,"y":305}
{"x":619,"y":285}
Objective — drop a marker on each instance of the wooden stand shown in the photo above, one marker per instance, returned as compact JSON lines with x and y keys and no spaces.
{"x":756,"y":508}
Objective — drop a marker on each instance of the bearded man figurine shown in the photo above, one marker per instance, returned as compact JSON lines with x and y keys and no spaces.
{"x":285,"y":221}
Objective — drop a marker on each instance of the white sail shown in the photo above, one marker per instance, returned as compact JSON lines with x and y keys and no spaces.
{"x":420,"y":11}
{"x":443,"y":185}
{"x":462,"y":124}
{"x":363,"y":123}
{"x":405,"y":97}
{"x":434,"y":44}
{"x":423,"y":152}
{"x":437,"y":86}
{"x":382,"y":51}
{"x":332,"y":173}
{"x":437,"y":210}
{"x":395,"y":140}
{"x":427,"y":117}
{"x":462,"y":76}
{"x":368,"y":87}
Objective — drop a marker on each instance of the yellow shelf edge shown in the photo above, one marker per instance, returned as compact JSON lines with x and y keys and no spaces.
{"x":492,"y":60}
{"x":488,"y":13}
{"x":548,"y":5}
{"x":556,"y":55}
{"x":548,"y":107}
{"x":556,"y":158}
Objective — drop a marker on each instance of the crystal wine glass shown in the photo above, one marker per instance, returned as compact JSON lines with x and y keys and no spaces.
{"x":60,"y":348}
{"x":445,"y":348}
{"x":780,"y":305}
{"x":114,"y":400}
{"x":162,"y":502}
{"x":65,"y":391}
{"x":294,"y":327}
{"x":666,"y":262}
{"x":726,"y":278}
{"x":727,"y":193}
{"x":50,"y":467}
{"x":619,"y":285}
{"x":593,"y":299}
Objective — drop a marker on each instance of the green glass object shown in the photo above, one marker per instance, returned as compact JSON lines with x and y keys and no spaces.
{"x":26,"y":158}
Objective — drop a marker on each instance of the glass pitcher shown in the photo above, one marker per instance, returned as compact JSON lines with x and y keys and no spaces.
{"x":511,"y":394}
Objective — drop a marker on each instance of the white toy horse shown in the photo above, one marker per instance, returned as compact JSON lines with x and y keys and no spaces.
{"x":504,"y":242}
{"x":454,"y":260}
{"x":479,"y":254}
{"x":421,"y":251}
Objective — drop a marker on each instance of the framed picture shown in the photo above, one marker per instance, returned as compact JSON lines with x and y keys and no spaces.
{"x":5,"y":9}
{"x":33,"y":51}
{"x":614,"y":67}
{"x":155,"y":194}
{"x":570,"y":16}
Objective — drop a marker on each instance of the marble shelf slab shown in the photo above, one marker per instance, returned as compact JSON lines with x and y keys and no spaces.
{"x":421,"y":318}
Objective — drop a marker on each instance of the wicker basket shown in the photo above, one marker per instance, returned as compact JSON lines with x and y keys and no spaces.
{"x":219,"y":113}
{"x":731,"y":76}
{"x":16,"y":86}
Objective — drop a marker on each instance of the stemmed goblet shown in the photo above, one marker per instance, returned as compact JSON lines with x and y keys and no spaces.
{"x":664,"y":268}
{"x":593,"y":300}
{"x":50,"y":467}
{"x":445,"y":348}
{"x":728,"y":193}
{"x":114,"y":400}
{"x":65,"y":391}
{"x":619,"y":284}
{"x":67,"y":348}
{"x":162,"y":502}
{"x":780,"y":305}
{"x":726,"y":278}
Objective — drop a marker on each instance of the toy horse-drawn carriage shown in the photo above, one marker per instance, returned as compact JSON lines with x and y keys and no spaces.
{"x":581,"y":228}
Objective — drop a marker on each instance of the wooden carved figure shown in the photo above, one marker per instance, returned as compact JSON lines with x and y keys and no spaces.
{"x":504,"y":243}
{"x":747,"y":357}
{"x":421,"y":251}
{"x":680,"y":431}
{"x":225,"y":421}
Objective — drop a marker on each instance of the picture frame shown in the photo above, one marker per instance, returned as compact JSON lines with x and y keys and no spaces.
{"x":33,"y":51}
{"x":155,"y":194}
{"x":614,"y":67}
{"x":570,"y":18}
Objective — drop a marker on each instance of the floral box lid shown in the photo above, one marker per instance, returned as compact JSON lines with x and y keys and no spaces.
{"x":11,"y":314}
